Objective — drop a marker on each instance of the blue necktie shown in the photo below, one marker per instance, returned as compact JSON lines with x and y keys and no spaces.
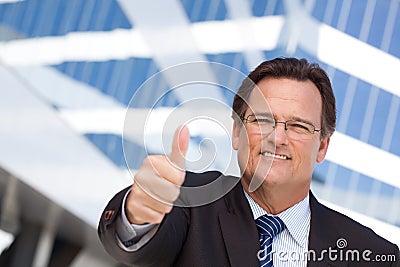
{"x":268,"y":227}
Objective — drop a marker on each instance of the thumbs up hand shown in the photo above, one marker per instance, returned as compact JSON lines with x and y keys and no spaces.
{"x":157,"y":182}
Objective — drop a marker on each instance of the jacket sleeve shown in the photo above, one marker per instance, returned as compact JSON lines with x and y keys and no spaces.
{"x":161,"y":250}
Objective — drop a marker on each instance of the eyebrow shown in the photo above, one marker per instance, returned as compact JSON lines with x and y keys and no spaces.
{"x":303,"y":120}
{"x":265,"y":114}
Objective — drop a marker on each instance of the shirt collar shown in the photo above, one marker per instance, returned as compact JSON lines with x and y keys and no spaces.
{"x":296,"y":218}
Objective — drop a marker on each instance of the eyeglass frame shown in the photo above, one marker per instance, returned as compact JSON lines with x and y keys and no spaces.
{"x":246,"y":120}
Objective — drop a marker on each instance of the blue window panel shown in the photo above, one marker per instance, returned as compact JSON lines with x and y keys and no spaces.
{"x":158,"y":94}
{"x":95,"y":22}
{"x":11,"y":14}
{"x":104,"y":13}
{"x":342,"y":178}
{"x":365,"y":184}
{"x":70,"y":18}
{"x":262,"y":8}
{"x":205,"y":10}
{"x":170,"y":100}
{"x":321,"y":171}
{"x":119,"y":79}
{"x":115,"y":17}
{"x":387,"y":190}
{"x":378,"y":23}
{"x":61,"y":67}
{"x":98,"y":75}
{"x":236,"y":61}
{"x":135,"y":73}
{"x":135,"y":153}
{"x":104,"y":82}
{"x":394,"y":44}
{"x":395,"y":145}
{"x":339,"y":84}
{"x":356,"y":16}
{"x":3,"y":13}
{"x":77,"y":71}
{"x":145,"y":69}
{"x":35,"y":18}
{"x":336,"y":13}
{"x":320,"y":9}
{"x":63,"y":18}
{"x":259,"y":8}
{"x":112,"y":146}
{"x":271,"y":54}
{"x":358,"y":110}
{"x":57,"y":27}
{"x":70,"y":68}
{"x":87,"y":73}
{"x":380,"y":118}
{"x":30,"y":16}
{"x":300,"y":53}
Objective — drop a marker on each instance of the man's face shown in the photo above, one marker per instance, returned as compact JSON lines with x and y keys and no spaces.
{"x":275,"y":158}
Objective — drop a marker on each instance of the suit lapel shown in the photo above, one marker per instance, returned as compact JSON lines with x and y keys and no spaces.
{"x":323,"y":236}
{"x":241,"y":236}
{"x":239,"y":230}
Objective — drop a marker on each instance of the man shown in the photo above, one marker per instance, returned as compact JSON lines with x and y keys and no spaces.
{"x":281,"y":129}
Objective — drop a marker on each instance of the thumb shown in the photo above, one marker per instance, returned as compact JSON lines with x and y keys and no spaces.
{"x":180,"y":146}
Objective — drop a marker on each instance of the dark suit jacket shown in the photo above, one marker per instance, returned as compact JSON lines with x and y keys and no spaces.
{"x":223,"y":233}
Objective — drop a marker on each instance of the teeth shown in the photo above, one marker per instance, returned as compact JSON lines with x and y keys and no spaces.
{"x":274,"y":155}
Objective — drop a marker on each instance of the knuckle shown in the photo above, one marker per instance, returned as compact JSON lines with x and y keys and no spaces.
{"x":158,"y":218}
{"x":154,"y":160}
{"x":168,"y":208}
{"x":172,"y":194}
{"x":132,"y":207}
{"x":151,"y":161}
{"x":181,"y":177}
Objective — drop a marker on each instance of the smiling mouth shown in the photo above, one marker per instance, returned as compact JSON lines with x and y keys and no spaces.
{"x":278,"y":156}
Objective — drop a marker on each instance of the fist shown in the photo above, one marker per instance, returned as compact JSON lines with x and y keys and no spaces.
{"x":157,"y":182}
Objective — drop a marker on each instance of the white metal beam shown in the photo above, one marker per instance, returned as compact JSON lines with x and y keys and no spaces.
{"x":364,"y":158}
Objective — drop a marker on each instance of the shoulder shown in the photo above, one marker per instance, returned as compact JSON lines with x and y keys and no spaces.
{"x":336,"y":226}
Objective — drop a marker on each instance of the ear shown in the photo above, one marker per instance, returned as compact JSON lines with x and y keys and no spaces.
{"x":323,"y":148}
{"x":235,"y":135}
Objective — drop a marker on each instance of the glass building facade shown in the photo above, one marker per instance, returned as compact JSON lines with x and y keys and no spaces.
{"x":82,"y":61}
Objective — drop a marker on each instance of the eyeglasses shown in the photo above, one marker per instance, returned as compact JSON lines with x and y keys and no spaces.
{"x":295,"y":129}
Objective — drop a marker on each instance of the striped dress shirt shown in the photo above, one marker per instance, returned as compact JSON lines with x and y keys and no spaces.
{"x":290,"y":247}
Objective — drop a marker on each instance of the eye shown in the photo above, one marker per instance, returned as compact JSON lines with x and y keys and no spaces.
{"x":300,"y":127}
{"x":264,"y":120}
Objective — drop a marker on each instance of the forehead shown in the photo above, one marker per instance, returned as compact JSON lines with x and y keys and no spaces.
{"x":286,"y":97}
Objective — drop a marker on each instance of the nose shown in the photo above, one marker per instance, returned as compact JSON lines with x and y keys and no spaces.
{"x":283,"y":122}
{"x":280,"y":133}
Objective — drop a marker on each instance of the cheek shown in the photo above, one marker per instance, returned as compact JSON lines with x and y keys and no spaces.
{"x":306,"y":156}
{"x":248,"y":149}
